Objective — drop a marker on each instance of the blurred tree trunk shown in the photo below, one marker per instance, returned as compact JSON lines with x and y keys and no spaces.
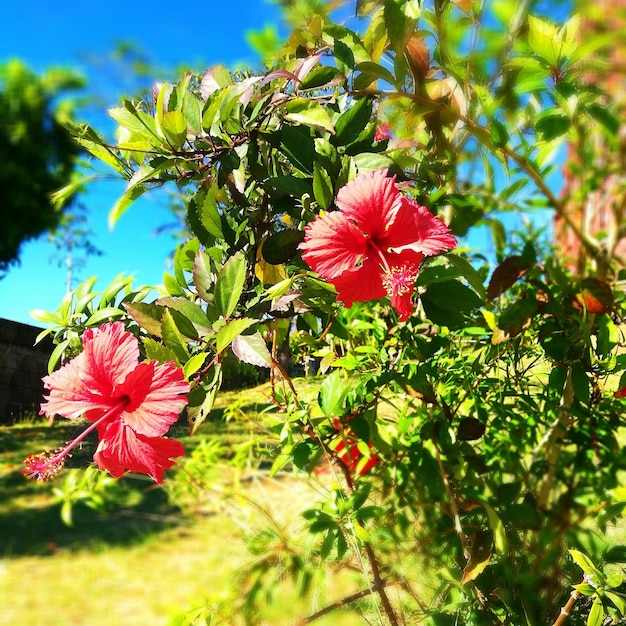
{"x":595,"y":173}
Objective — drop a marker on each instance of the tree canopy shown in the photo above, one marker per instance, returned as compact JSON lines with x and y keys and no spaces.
{"x":38,"y":154}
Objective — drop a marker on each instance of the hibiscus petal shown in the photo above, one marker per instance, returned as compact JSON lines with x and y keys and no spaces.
{"x":360,"y":285}
{"x":110,"y":353}
{"x":372,"y":200}
{"x":156,"y":393}
{"x":120,"y":449}
{"x":70,"y":396}
{"x":332,"y":245}
{"x":416,"y":228}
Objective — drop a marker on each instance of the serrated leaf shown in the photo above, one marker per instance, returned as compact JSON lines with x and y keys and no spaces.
{"x":197,"y":413}
{"x":230,"y":330}
{"x":192,"y":311}
{"x":173,"y":338}
{"x":252,"y":349}
{"x":157,"y":351}
{"x":203,"y":276}
{"x":370,"y":71}
{"x":209,"y":215}
{"x":175,"y":128}
{"x":148,"y":316}
{"x":322,"y":186}
{"x":229,"y":284}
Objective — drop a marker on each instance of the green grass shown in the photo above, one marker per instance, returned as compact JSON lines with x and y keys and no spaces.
{"x":148,"y":557}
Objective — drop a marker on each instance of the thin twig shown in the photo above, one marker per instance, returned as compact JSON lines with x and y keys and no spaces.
{"x":336,"y":605}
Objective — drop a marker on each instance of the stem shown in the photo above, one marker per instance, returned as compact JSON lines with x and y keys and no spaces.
{"x":453,"y":508}
{"x":72,"y":444}
{"x":567,"y":608}
{"x":555,"y":443}
{"x":379,"y":584}
{"x":335,"y":605}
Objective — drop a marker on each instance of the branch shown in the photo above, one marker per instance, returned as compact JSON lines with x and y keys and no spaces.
{"x":567,"y":608}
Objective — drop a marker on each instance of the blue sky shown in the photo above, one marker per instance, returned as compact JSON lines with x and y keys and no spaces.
{"x":75,"y":34}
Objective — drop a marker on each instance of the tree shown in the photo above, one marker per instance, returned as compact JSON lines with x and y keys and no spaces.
{"x":38,"y":154}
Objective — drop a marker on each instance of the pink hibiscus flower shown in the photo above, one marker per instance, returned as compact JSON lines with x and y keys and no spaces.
{"x":132,"y":405}
{"x":373,"y":245}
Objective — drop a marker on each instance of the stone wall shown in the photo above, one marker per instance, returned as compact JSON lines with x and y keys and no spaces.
{"x":22,"y":365}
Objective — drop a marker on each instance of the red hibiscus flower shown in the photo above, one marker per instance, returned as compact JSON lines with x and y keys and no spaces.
{"x":132,"y":405}
{"x":373,"y":245}
{"x":353,"y":452}
{"x":620,"y":393}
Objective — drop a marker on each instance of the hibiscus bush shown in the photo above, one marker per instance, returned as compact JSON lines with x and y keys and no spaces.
{"x":466,"y":431}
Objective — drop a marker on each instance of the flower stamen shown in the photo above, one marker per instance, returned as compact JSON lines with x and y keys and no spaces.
{"x":399,"y":281}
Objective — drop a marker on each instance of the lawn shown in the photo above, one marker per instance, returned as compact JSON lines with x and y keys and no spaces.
{"x":151,"y":554}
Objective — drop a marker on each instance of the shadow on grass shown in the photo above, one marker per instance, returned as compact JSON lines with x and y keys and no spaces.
{"x":39,"y":530}
{"x":30,"y":512}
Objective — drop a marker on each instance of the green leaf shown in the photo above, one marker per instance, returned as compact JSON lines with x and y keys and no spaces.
{"x":351,"y":122}
{"x":309,"y":113}
{"x":297,"y":144}
{"x":252,"y":349}
{"x":119,"y":208}
{"x":369,"y":72}
{"x":198,"y":412}
{"x":580,"y":382}
{"x":517,"y":317}
{"x":552,"y":124}
{"x":497,"y":528}
{"x":102,"y":315}
{"x":322,"y":186}
{"x":343,"y":53}
{"x":282,"y":246}
{"x":291,"y":185}
{"x":333,"y":392}
{"x":194,"y":364}
{"x":230,"y":330}
{"x":602,"y":115}
{"x":617,"y":600}
{"x":399,"y":22}
{"x":596,"y":614}
{"x":209,"y":214}
{"x":498,"y":133}
{"x":203,"y":276}
{"x":229,"y":284}
{"x":173,"y":338}
{"x":319,"y":77}
{"x":157,"y":351}
{"x":192,"y":311}
{"x":587,"y":566}
{"x":136,"y":121}
{"x":175,"y":128}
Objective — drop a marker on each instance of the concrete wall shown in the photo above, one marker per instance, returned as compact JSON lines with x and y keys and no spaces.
{"x":22,"y":365}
